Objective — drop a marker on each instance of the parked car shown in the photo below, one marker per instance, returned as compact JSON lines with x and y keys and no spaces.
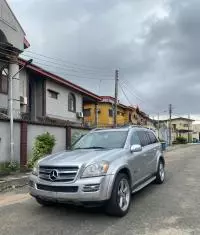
{"x":104,"y":167}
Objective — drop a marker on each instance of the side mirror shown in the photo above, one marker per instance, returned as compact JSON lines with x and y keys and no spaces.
{"x":136,"y":148}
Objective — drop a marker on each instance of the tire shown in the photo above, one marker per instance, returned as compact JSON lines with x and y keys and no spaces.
{"x":160,"y":174}
{"x":44,"y":202}
{"x":120,"y":200}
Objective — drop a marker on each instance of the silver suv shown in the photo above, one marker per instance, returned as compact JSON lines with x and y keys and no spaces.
{"x":104,"y":167}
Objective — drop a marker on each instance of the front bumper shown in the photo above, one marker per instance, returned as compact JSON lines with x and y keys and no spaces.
{"x":101,"y":186}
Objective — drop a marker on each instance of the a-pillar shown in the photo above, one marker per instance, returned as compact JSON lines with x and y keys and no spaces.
{"x":14,"y":75}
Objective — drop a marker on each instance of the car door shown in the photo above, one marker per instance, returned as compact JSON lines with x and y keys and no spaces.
{"x":134,"y":159}
{"x":150,"y":157}
{"x":145,"y":159}
{"x":155,"y":148}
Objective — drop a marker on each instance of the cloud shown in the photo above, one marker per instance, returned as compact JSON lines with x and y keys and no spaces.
{"x":155,"y":45}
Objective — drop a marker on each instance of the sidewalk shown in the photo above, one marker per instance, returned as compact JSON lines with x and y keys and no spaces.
{"x":177,"y":146}
{"x":13,"y":181}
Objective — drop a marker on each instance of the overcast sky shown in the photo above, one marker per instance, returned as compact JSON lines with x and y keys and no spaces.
{"x":153,"y":43}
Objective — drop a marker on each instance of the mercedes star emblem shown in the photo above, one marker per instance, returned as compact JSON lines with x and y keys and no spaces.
{"x":53,"y":175}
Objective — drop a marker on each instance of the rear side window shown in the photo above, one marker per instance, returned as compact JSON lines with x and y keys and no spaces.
{"x":135,"y":139}
{"x":152,"y":137}
{"x":143,"y":138}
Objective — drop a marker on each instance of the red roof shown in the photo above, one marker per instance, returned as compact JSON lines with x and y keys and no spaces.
{"x":59,"y":79}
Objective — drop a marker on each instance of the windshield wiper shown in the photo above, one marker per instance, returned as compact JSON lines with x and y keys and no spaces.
{"x":92,"y":147}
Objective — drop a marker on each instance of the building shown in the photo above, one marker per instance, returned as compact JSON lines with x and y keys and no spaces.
{"x":102,"y":114}
{"x":180,"y":127}
{"x":196,"y":132}
{"x":12,"y":43}
{"x":45,"y":96}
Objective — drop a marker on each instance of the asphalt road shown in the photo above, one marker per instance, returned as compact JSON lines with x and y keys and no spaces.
{"x":169,"y":209}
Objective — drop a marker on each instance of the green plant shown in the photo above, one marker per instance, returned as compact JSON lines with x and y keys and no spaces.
{"x":181,"y":140}
{"x":43,"y":146}
{"x":8,"y":167}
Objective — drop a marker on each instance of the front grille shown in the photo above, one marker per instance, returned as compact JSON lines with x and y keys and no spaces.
{"x":62,"y":174}
{"x":61,"y":189}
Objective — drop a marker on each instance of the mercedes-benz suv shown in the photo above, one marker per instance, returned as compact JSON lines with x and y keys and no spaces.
{"x":103,"y":167}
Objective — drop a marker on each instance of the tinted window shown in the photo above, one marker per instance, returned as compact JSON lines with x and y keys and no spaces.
{"x":149,"y":141}
{"x":135,"y":139}
{"x":143,"y":138}
{"x":152,"y":137}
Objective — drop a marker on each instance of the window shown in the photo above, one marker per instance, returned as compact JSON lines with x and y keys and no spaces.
{"x":174,"y":126}
{"x":185,"y":125}
{"x":53,"y":94}
{"x":135,"y":139}
{"x":4,"y":82}
{"x":102,"y":139}
{"x":110,"y":112}
{"x":118,"y":112}
{"x":152,"y":137}
{"x":143,"y":138}
{"x":87,"y":112}
{"x":72,"y":103}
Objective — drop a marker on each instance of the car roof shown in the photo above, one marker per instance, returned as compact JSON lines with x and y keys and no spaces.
{"x":124,"y":128}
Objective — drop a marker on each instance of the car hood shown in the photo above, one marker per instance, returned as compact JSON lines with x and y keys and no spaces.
{"x":79,"y":157}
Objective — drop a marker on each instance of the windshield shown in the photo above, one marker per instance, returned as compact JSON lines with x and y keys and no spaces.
{"x":102,"y":140}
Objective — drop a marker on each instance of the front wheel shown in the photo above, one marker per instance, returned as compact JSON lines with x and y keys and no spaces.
{"x":120,"y":200}
{"x":160,"y":175}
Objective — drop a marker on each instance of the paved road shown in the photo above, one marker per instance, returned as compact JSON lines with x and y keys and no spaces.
{"x":169,"y":209}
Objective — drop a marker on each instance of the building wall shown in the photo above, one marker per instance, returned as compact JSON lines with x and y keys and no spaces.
{"x":10,"y":26}
{"x":5,"y":141}
{"x":23,"y":88}
{"x":103,"y":115}
{"x":35,"y":130}
{"x":58,"y":108}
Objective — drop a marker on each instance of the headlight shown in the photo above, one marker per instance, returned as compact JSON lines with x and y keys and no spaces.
{"x":95,"y":169}
{"x":35,"y":170}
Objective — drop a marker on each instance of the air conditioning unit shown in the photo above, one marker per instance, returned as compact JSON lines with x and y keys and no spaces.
{"x":23,"y":100}
{"x":79,"y":114}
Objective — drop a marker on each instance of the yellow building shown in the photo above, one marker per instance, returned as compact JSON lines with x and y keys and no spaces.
{"x":101,"y":114}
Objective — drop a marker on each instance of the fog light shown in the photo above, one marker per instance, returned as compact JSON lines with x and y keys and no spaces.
{"x":91,"y":187}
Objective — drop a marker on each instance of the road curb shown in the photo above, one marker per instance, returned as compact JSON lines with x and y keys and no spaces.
{"x":13,"y":182}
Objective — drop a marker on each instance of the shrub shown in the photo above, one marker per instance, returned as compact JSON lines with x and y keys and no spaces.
{"x":43,"y":146}
{"x":8,"y":167}
{"x":181,"y":140}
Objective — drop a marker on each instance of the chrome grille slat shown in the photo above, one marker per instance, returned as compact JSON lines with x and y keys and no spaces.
{"x":65,"y":174}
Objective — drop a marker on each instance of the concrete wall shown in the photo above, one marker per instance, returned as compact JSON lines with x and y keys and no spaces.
{"x":5,"y":141}
{"x":58,"y":108}
{"x":10,"y":26}
{"x":35,"y":130}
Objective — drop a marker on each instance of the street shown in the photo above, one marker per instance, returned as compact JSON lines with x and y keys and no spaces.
{"x":170,"y":208}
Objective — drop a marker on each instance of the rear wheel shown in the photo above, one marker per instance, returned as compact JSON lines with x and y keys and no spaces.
{"x":160,"y":175}
{"x":44,"y":202}
{"x":120,"y":200}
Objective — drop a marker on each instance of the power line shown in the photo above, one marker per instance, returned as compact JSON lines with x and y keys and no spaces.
{"x":80,"y":76}
{"x":59,"y":59}
{"x":125,"y":94}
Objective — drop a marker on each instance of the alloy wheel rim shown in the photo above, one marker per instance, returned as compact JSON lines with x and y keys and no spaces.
{"x":162,"y":172}
{"x":123,"y":194}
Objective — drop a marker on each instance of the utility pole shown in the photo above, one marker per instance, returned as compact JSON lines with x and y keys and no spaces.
{"x":170,"y":124}
{"x":188,"y":128}
{"x":11,"y":110}
{"x":116,"y":96}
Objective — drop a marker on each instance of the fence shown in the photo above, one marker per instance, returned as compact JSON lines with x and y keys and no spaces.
{"x":25,"y":134}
